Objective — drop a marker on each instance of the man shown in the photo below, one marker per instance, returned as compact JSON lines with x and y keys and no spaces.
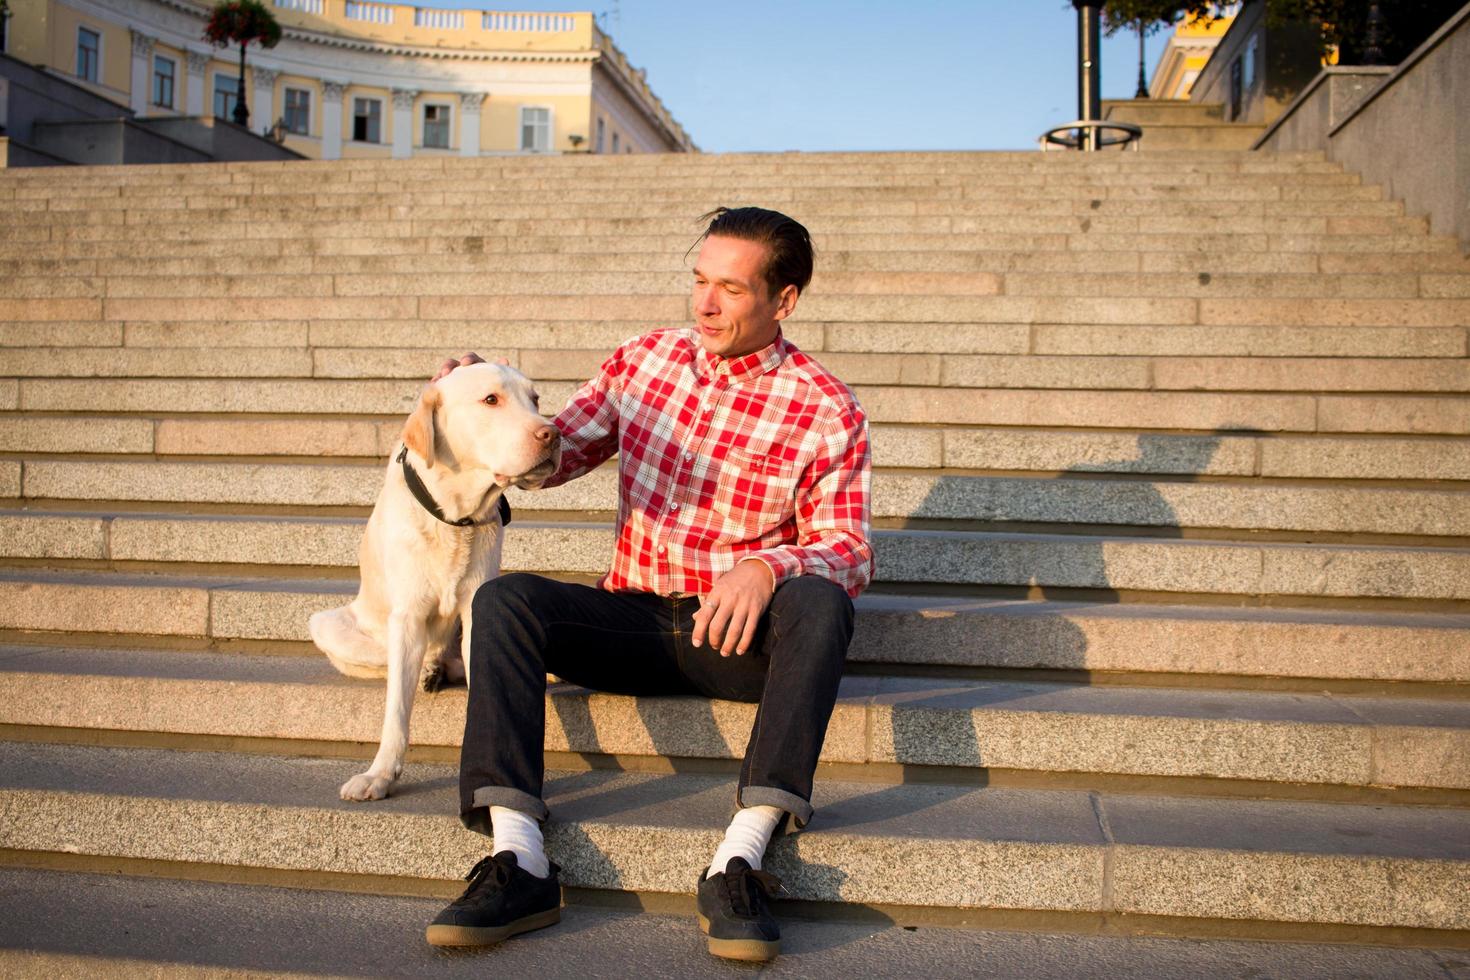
{"x":742,"y":536}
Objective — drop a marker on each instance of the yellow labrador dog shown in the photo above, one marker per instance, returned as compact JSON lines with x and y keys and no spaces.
{"x":433,"y":538}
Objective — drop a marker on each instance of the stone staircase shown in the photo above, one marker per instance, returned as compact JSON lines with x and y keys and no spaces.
{"x":1171,"y":631}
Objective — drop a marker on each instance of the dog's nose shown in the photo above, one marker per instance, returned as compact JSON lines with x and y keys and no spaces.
{"x":548,"y":434}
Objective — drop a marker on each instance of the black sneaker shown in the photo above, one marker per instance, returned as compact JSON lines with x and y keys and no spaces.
{"x":734,"y":914}
{"x":502,"y":900}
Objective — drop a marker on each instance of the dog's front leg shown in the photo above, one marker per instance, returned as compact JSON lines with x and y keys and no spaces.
{"x":407,"y":641}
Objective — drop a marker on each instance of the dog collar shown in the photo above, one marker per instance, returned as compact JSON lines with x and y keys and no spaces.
{"x":426,"y":499}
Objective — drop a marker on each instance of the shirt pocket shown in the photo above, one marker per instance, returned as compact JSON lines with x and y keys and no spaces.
{"x":757,"y":489}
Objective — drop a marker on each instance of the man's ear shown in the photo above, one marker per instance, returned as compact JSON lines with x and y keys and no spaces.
{"x":418,"y":432}
{"x":786,"y":301}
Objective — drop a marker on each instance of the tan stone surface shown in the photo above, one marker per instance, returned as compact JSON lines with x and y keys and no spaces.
{"x":40,"y":310}
{"x":251,"y":541}
{"x":311,"y":307}
{"x":1153,"y":410}
{"x":1334,"y":312}
{"x":1394,"y":413}
{"x":87,"y":435}
{"x":1365,"y":458}
{"x":1302,"y":374}
{"x":267,"y":437}
{"x":166,"y":608}
{"x":51,"y":536}
{"x":9,"y":478}
{"x":958,"y":338}
{"x":1253,"y":861}
{"x":196,"y":333}
{"x":1033,"y":371}
{"x":248,"y":483}
{"x":1101,"y":452}
{"x":160,"y":362}
{"x":1251,"y":341}
{"x":328,"y":397}
{"x":60,"y":334}
{"x":1367,"y":571}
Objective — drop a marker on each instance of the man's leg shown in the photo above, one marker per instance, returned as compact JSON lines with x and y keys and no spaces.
{"x":793,"y":669}
{"x":523,"y":627}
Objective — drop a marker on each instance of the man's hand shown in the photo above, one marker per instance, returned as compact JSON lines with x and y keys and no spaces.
{"x":732,"y":610}
{"x":471,"y":358}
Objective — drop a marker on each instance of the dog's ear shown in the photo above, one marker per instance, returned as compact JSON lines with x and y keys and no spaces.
{"x":418,"y":432}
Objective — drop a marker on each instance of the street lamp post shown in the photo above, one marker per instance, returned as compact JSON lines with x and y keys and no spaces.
{"x":1089,"y":70}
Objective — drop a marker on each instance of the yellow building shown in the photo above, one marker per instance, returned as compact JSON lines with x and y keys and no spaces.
{"x":1187,"y":52}
{"x":352,"y":78}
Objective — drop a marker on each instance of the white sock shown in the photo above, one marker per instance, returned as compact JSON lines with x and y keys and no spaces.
{"x":519,"y":833}
{"x":747,"y":837}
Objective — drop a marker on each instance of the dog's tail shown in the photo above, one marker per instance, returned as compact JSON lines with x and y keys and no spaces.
{"x":351,"y":651}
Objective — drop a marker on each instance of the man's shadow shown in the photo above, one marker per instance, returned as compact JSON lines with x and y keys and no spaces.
{"x":935,"y":716}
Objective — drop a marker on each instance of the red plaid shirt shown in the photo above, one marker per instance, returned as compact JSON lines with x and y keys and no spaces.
{"x":763,"y":456}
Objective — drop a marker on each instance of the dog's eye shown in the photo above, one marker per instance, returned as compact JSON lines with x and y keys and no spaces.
{"x":492,"y":399}
{"x":536,"y":400}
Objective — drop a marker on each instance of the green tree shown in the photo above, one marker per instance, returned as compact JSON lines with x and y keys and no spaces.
{"x":241,"y":22}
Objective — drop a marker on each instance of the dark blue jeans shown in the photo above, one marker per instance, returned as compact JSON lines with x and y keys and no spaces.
{"x":526,"y":626}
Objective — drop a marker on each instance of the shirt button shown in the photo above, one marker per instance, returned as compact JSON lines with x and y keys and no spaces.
{"x":708,"y":409}
{"x":673,"y":508}
{"x":662,"y":550}
{"x":688,"y":457}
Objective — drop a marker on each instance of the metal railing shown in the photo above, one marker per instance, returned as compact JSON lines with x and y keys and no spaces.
{"x":1089,"y":134}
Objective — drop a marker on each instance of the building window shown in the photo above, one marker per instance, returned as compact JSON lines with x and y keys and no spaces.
{"x":535,"y":130}
{"x":436,"y":126}
{"x":163,"y":82}
{"x":226,"y":93}
{"x":1250,"y":64}
{"x":617,"y":142}
{"x":89,"y":54}
{"x":367,"y":120}
{"x":601,"y":135}
{"x":298,"y":111}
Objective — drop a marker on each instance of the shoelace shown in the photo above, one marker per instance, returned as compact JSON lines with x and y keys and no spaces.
{"x":486,"y":867}
{"x":747,"y":888}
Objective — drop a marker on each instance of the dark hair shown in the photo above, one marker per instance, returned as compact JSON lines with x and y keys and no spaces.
{"x":788,"y":244}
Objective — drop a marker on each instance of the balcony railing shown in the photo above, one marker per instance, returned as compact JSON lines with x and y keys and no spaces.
{"x":373,"y":13}
{"x":494,"y":20}
{"x":444,"y":20}
{"x":317,"y":7}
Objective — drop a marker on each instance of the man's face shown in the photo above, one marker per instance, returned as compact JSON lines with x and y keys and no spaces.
{"x":735,"y":312}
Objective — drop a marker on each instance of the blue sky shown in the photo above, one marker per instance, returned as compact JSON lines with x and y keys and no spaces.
{"x":881,"y":75}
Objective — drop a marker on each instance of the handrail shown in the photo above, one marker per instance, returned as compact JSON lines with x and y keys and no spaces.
{"x":1131,"y":134}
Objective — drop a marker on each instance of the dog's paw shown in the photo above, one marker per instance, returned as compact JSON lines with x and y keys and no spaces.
{"x":435,"y":678}
{"x":366,"y":786}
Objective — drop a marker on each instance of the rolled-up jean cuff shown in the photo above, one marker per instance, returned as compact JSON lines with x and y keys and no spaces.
{"x":801,"y":811}
{"x":478,"y":818}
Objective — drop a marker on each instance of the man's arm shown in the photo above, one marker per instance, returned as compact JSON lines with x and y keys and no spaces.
{"x":832,"y":511}
{"x":589,"y":422}
{"x":832,"y":508}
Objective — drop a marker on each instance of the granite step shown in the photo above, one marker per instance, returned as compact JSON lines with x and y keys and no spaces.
{"x":1247,"y":862}
{"x":1104,"y":642}
{"x":672,"y":308}
{"x":1219,"y":412}
{"x":1118,"y":566}
{"x":170,"y":930}
{"x":955,"y":371}
{"x":413,"y":340}
{"x":291,"y":225}
{"x":1065,"y":731}
{"x":1335,"y":249}
{"x":429,"y":281}
{"x":1042,"y":451}
{"x":814,"y":204}
{"x":972,"y":260}
{"x":1075,"y":498}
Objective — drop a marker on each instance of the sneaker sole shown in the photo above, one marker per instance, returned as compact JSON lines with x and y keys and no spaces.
{"x":443,"y":935}
{"x":749,"y":950}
